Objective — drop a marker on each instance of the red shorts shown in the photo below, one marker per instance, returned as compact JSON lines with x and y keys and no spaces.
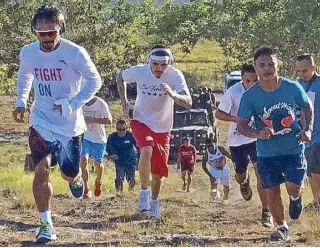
{"x":160,"y":142}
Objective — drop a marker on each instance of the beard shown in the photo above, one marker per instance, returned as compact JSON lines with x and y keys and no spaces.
{"x":47,"y":45}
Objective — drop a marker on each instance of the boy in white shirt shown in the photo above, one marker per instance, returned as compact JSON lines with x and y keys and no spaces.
{"x":97,"y":115}
{"x":54,"y":67}
{"x":219,"y":170}
{"x":159,"y":85}
{"x":242,"y":148}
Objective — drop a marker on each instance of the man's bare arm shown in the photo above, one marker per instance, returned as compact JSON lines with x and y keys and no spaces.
{"x":225,"y":152}
{"x":245,"y":129}
{"x":223,"y":116}
{"x":308,"y":116}
{"x":122,"y":88}
{"x":183,"y":99}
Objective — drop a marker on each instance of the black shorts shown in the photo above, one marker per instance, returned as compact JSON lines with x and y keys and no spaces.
{"x":187,"y":168}
{"x":312,"y":155}
{"x":241,"y":154}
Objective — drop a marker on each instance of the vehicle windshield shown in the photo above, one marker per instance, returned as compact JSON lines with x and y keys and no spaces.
{"x":190,"y":119}
{"x":232,"y":82}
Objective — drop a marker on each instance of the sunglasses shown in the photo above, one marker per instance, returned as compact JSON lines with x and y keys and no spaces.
{"x":121,"y":129}
{"x":43,"y":33}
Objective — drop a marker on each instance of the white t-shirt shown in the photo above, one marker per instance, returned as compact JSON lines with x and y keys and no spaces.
{"x":153,"y":107}
{"x":230,"y":104}
{"x":96,"y":132}
{"x":213,"y":159}
{"x":57,"y":75}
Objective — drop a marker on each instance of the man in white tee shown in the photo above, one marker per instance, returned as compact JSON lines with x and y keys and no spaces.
{"x":54,"y":67}
{"x":159,"y":85}
{"x":242,"y":148}
{"x":97,"y":115}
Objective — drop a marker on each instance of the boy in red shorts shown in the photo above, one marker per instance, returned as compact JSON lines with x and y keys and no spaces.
{"x":159,"y":85}
{"x":186,"y":161}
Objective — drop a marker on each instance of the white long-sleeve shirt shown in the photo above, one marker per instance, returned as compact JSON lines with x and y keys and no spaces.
{"x":57,"y":75}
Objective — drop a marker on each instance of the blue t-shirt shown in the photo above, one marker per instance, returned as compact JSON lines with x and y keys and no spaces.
{"x":276,"y":110}
{"x":313,"y":90}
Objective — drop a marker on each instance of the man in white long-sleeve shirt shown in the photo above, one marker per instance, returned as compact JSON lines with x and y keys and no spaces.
{"x":55,"y":67}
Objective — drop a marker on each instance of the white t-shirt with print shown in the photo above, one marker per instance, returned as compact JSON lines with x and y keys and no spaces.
{"x":57,"y":75}
{"x":96,"y":132}
{"x":229,"y":104}
{"x":153,"y":107}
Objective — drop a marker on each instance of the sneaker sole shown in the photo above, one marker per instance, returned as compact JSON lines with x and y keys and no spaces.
{"x":45,"y":239}
{"x":249,"y":197}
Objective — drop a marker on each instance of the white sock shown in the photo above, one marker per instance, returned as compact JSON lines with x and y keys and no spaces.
{"x":284,"y":225}
{"x":294,"y":198}
{"x":46,"y":215}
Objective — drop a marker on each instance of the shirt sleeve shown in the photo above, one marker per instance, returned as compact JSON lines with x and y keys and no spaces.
{"x":245,"y":109}
{"x":86,"y":68}
{"x":110,"y":148}
{"x":105,"y":112}
{"x":131,"y":74}
{"x":24,"y":82}
{"x":301,"y":96}
{"x":226,"y":102}
{"x":180,"y":83}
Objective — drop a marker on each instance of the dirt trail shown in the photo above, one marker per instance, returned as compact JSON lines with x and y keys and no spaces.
{"x":113,"y":221}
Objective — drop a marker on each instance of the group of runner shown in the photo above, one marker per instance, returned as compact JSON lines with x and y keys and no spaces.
{"x":263,"y":125}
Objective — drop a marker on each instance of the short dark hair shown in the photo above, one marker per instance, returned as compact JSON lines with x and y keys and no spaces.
{"x":121,"y":122}
{"x":51,"y":13}
{"x":159,"y":53}
{"x":247,"y":68}
{"x":263,"y":51}
{"x":307,"y":57}
{"x":186,"y":139}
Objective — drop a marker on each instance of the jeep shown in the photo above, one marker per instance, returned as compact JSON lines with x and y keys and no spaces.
{"x":193,"y":123}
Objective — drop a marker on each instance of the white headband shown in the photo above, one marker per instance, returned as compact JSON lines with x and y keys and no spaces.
{"x":160,"y":58}
{"x":166,"y":50}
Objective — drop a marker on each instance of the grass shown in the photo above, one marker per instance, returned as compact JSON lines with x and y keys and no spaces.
{"x":206,"y":63}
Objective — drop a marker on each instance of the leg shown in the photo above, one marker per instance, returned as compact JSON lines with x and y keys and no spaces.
{"x":98,"y":182}
{"x":130,"y":176}
{"x":183,"y":176}
{"x":315,"y":186}
{"x":85,"y":172}
{"x":42,"y":188}
{"x":313,"y":159}
{"x":189,"y":173}
{"x":262,"y":192}
{"x":275,"y":204}
{"x":225,"y":179}
{"x":155,"y":202}
{"x":240,"y":157}
{"x":156,"y":186}
{"x":145,"y":165}
{"x":120,"y":173}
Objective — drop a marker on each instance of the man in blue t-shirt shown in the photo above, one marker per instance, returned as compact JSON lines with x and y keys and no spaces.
{"x":122,"y":149}
{"x":310,"y":81}
{"x":273,"y":102}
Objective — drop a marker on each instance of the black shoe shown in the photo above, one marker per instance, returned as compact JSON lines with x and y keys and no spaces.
{"x":295,"y":208}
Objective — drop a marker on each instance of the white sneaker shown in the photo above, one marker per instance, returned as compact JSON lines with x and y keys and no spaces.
{"x":144,"y":200}
{"x":155,"y":209}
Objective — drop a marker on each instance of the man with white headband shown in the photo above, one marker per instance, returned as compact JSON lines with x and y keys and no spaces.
{"x":54,"y":67}
{"x":159,"y":85}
